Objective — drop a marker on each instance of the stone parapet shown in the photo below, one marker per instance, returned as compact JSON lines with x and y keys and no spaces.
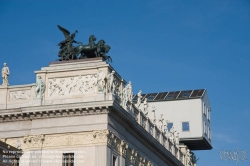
{"x":17,"y":96}
{"x":64,"y":82}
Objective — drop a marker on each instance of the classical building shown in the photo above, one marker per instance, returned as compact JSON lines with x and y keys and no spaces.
{"x":81,"y":112}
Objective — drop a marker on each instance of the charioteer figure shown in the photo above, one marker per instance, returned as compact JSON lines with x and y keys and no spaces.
{"x":66,"y":45}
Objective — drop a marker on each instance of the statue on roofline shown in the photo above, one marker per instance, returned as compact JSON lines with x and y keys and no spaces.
{"x":40,"y":87}
{"x":5,"y":74}
{"x":70,"y":52}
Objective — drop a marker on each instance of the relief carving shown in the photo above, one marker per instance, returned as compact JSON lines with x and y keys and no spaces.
{"x":142,"y":161}
{"x":84,"y":138}
{"x":40,"y":87}
{"x":20,"y":95}
{"x":101,"y":81}
{"x":133,"y":156}
{"x":33,"y":141}
{"x":113,"y":142}
{"x":15,"y":142}
{"x":123,"y":148}
{"x":76,"y":139}
{"x":72,"y":85}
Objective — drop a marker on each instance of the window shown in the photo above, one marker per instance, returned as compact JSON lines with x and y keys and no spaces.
{"x":185,"y":126}
{"x":68,"y":159}
{"x":204,"y":127}
{"x":208,"y":115}
{"x":204,"y":109}
{"x":208,"y":132}
{"x":207,"y":112}
{"x":170,"y":125}
{"x":114,"y":161}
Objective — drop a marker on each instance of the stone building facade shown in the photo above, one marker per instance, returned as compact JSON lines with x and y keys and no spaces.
{"x":81,"y":113}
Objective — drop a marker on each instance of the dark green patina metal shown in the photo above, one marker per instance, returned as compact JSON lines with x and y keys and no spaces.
{"x":70,"y":52}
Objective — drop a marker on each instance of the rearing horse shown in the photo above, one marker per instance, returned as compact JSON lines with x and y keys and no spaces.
{"x":88,"y":51}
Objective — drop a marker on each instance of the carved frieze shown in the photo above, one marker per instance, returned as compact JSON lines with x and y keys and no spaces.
{"x":33,"y":141}
{"x":19,"y":95}
{"x":133,"y":155}
{"x":74,"y":85}
{"x":59,"y":140}
{"x":123,"y":148}
{"x":78,"y":139}
{"x":113,"y":142}
{"x":142,"y":161}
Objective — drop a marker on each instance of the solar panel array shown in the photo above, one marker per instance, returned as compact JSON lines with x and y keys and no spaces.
{"x":173,"y":95}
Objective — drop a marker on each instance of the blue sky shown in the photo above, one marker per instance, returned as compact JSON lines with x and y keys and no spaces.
{"x":160,"y":45}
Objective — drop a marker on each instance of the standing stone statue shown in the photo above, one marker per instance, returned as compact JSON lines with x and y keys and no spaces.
{"x":111,"y":85}
{"x":139,"y":97}
{"x":124,"y":98}
{"x":171,"y":134}
{"x":5,"y":74}
{"x":153,"y":118}
{"x":177,"y":139}
{"x":127,"y":96}
{"x":145,"y":103}
{"x":101,"y":81}
{"x":188,"y":157}
{"x":166,"y":128}
{"x":130,"y":92}
{"x":161,"y":121}
{"x":40,"y":87}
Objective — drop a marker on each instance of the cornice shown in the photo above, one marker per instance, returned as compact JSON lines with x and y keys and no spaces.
{"x":139,"y":130}
{"x":55,"y":111}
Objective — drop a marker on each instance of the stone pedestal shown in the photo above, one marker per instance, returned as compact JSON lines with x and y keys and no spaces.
{"x":110,"y":96}
{"x":37,"y":102}
{"x":3,"y":96}
{"x":100,"y":96}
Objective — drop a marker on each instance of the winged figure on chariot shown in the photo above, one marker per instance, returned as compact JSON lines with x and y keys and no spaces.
{"x":70,"y":52}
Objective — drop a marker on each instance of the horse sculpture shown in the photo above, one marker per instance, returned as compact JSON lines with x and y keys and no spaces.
{"x":99,"y":50}
{"x":92,"y":50}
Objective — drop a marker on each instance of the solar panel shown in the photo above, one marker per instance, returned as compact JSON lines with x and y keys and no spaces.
{"x":201,"y":92}
{"x":172,"y":95}
{"x":151,"y":96}
{"x":164,"y":95}
{"x":143,"y":96}
{"x":161,"y":96}
{"x":184,"y":94}
{"x":195,"y":92}
{"x":176,"y":94}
